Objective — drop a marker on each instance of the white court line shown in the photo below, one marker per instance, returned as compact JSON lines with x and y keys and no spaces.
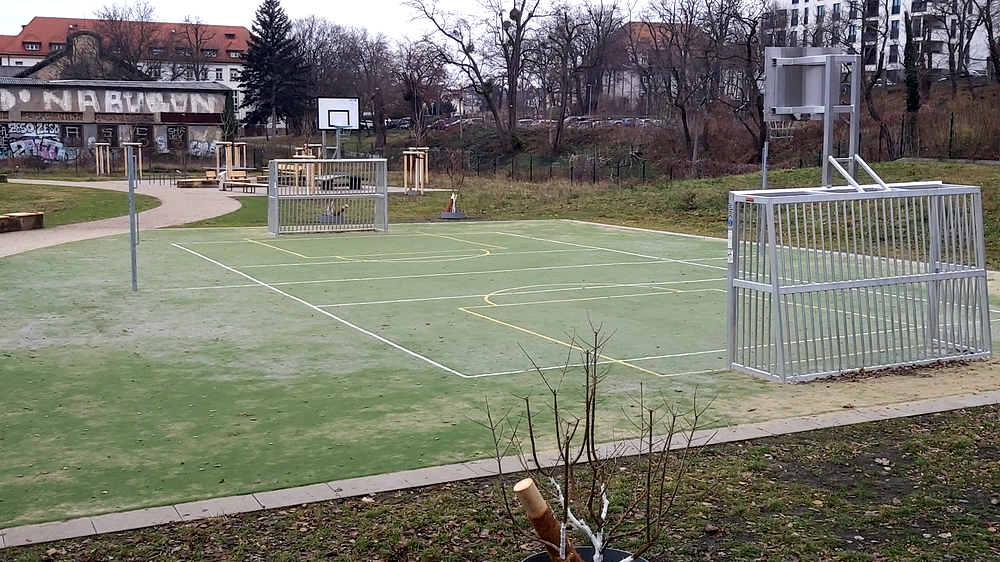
{"x":650,"y":230}
{"x":650,"y":358}
{"x":428,"y":275}
{"x":658,"y":258}
{"x":325,"y":313}
{"x":575,"y":288}
{"x":342,"y":262}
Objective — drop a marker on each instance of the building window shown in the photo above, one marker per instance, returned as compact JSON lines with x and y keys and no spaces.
{"x":820,"y":12}
{"x":235,"y":54}
{"x":234,"y":75}
{"x":894,"y":29}
{"x":32,"y":46}
{"x":230,"y":36}
{"x":895,"y":7}
{"x":71,"y":135}
{"x":836,"y":12}
{"x":182,"y":51}
{"x":852,"y":34}
{"x":158,"y":51}
{"x":793,"y":39}
{"x":18,"y":63}
{"x":893,"y":54}
{"x":795,"y":17}
{"x":954,"y":28}
{"x":917,"y":30}
{"x":805,"y":16}
{"x":795,"y":1}
{"x":209,"y":53}
{"x":218,"y":74}
{"x":836,"y":35}
{"x":854,"y":11}
{"x":57,"y":46}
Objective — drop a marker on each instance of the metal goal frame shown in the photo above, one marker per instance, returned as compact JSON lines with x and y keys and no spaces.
{"x":831,"y":280}
{"x":309,"y":195}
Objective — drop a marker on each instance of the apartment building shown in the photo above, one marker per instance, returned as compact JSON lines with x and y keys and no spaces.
{"x":169,"y":51}
{"x":947,"y":33}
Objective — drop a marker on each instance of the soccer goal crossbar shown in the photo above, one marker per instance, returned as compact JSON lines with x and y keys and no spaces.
{"x":311,"y":195}
{"x":832,"y":280}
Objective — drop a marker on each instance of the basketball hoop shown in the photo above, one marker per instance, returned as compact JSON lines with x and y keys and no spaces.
{"x":780,"y":130}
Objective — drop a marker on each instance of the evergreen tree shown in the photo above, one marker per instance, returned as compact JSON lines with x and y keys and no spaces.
{"x":275,"y":75}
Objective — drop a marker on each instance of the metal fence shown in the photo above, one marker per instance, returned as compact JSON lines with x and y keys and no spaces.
{"x":828,"y":281}
{"x":310,"y":195}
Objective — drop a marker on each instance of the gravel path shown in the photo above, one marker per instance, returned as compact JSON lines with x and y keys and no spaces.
{"x":178,"y":206}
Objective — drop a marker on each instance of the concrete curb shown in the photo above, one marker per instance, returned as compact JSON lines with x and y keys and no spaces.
{"x":354,"y":487}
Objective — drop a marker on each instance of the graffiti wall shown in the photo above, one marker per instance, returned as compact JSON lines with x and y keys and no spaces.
{"x":36,"y":140}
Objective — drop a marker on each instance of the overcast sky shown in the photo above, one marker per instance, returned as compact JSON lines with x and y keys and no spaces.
{"x":379,"y":16}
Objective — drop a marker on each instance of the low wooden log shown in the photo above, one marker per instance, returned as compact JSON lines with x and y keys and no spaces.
{"x":544,"y":521}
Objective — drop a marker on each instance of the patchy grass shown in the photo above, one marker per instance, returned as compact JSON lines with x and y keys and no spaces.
{"x":69,"y":205}
{"x":915,"y":489}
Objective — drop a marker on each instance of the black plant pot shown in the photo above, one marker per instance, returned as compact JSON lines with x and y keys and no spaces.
{"x":587,"y":553}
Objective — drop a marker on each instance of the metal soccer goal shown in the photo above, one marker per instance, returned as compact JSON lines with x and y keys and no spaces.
{"x":312,"y":195}
{"x":832,"y":280}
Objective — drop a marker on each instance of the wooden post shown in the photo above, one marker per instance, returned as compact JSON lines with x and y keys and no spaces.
{"x":102,"y":152}
{"x":544,"y":521}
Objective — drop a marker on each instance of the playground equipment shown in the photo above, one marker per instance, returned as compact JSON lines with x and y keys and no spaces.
{"x":833,"y":279}
{"x":307,"y":194}
{"x":415,"y":169}
{"x":136,"y":156}
{"x":102,"y":155}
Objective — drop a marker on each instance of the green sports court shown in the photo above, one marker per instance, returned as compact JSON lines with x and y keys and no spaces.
{"x":247,"y":362}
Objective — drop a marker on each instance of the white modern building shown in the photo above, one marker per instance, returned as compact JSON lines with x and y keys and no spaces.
{"x":947,"y":33}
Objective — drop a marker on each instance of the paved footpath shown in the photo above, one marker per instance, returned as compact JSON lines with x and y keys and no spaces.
{"x":182,"y":206}
{"x":179,"y":206}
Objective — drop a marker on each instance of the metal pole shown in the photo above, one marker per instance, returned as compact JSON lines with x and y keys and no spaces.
{"x":336,"y":152}
{"x":323,"y":141}
{"x":763,"y":166}
{"x":133,"y":219}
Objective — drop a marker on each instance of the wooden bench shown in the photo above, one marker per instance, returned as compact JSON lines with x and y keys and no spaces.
{"x":248,"y":186}
{"x":12,"y":222}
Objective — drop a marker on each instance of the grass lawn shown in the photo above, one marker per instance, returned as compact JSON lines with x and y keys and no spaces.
{"x":69,"y":205}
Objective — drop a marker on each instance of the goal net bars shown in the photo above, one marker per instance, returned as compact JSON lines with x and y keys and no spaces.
{"x":833,"y":280}
{"x":311,"y":195}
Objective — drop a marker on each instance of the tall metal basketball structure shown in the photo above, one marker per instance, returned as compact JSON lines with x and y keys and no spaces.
{"x":831,"y":279}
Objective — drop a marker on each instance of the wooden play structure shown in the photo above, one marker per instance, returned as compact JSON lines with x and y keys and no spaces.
{"x":102,"y":155}
{"x":415,"y":169}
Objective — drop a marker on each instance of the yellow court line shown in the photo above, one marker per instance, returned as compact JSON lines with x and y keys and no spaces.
{"x":560,"y":342}
{"x":277,"y":248}
{"x":582,"y":299}
{"x":464,"y":241}
{"x":656,"y":290}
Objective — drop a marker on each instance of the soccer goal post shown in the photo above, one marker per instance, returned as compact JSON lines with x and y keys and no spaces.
{"x":310,"y":195}
{"x":828,"y":281}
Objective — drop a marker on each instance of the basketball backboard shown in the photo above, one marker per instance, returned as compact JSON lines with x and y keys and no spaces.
{"x":798,"y":90}
{"x":338,"y":113}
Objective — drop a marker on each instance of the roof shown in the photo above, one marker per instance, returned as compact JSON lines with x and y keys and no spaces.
{"x":114,"y":84}
{"x":49,"y":31}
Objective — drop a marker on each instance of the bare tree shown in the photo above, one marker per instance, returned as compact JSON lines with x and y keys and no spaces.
{"x":375,"y":64}
{"x":195,"y":37}
{"x":989,"y":13}
{"x":559,"y":62}
{"x":421,"y":75}
{"x":129,"y":28}
{"x":738,"y":46}
{"x":489,"y":52}
{"x":673,"y":64}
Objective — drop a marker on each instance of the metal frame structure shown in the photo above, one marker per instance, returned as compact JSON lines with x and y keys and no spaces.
{"x":804,"y":83}
{"x":831,"y":280}
{"x":311,"y":195}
